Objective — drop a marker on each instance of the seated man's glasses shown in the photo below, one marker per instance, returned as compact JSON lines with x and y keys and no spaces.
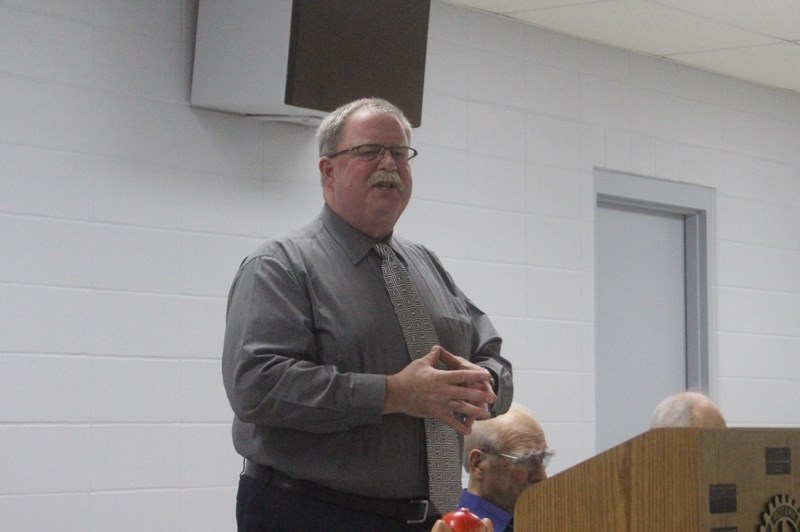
{"x":374,"y":152}
{"x":528,"y":460}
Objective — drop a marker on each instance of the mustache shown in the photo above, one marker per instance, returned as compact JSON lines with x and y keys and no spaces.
{"x":386,"y":177}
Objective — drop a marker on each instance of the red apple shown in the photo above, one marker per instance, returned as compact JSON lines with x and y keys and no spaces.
{"x":462,"y":520}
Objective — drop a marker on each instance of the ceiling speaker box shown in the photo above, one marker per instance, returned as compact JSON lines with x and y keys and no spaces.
{"x":297,"y":60}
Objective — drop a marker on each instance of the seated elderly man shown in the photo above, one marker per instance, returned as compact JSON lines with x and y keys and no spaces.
{"x":503,"y":456}
{"x":688,"y":409}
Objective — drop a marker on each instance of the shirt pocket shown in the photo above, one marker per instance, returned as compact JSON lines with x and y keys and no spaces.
{"x":455,"y":335}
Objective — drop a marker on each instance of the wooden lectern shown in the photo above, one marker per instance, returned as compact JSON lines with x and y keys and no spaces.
{"x":682,"y":480}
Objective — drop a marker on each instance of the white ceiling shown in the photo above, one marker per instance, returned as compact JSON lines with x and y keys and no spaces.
{"x":753,"y":40}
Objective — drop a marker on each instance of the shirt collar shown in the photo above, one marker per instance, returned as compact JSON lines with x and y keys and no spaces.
{"x":483,"y":508}
{"x":354,"y":243}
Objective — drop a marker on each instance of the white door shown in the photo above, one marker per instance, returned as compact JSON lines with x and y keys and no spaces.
{"x":651,"y":327}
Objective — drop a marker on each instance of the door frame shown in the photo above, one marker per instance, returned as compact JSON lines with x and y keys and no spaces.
{"x":696,"y":204}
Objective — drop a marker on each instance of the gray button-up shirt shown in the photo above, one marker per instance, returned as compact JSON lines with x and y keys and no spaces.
{"x":311,"y":336}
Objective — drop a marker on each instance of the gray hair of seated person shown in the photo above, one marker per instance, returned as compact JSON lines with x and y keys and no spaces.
{"x":483,"y":436}
{"x":679,"y":410}
{"x":487,"y":434}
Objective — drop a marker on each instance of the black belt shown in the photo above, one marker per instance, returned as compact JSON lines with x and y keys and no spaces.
{"x":410,"y":511}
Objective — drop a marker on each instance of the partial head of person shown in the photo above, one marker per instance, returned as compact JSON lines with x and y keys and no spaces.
{"x":505,"y":455}
{"x":688,"y":409}
{"x":365,"y":164}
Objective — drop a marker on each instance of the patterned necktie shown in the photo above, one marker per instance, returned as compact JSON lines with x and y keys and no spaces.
{"x":441,"y":442}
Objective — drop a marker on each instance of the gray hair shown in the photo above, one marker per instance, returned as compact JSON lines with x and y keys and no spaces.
{"x":487,"y":434}
{"x":484,"y":436}
{"x":678,"y":410}
{"x":330,"y":130}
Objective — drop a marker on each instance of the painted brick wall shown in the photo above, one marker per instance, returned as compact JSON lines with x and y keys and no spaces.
{"x":124,"y":214}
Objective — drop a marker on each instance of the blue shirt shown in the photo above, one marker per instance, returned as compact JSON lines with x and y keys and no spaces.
{"x":482,"y":508}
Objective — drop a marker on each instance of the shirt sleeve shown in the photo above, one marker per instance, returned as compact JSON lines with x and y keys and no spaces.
{"x":485,"y":344}
{"x":272,"y":372}
{"x":487,"y":355}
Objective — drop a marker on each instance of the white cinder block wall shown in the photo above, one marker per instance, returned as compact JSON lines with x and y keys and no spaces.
{"x":124,"y":214}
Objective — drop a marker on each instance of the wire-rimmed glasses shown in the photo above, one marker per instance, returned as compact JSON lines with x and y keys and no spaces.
{"x":529,"y":459}
{"x":374,"y":152}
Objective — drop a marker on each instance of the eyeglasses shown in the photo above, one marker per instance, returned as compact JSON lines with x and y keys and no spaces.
{"x":528,"y":460}
{"x":374,"y":152}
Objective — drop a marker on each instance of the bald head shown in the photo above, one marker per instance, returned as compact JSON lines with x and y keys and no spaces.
{"x":515,"y":426}
{"x":504,"y":455}
{"x":688,"y":409}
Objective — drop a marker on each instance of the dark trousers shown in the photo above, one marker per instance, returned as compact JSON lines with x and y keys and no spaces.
{"x":262,"y":508}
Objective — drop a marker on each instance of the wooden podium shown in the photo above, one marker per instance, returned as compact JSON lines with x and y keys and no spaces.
{"x":682,"y":480}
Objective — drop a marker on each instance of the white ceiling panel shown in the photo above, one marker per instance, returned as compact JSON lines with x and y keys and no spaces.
{"x":644,"y":26}
{"x":778,"y":18}
{"x":745,"y":39}
{"x":777,"y":65}
{"x":510,"y":6}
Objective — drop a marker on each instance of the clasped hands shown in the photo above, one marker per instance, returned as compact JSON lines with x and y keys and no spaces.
{"x":457,"y":395}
